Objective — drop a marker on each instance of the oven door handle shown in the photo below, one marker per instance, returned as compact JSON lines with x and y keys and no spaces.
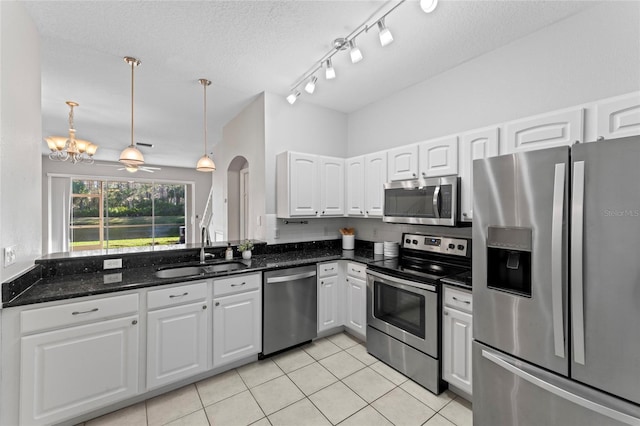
{"x":401,"y":281}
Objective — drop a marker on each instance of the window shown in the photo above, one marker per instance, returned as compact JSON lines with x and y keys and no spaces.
{"x":116,"y":214}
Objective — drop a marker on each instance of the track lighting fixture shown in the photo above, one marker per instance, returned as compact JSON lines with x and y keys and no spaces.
{"x":354,"y":52}
{"x":385,"y":35}
{"x":293,"y":97}
{"x":311,"y":85}
{"x":349,"y":42}
{"x":330,"y":72}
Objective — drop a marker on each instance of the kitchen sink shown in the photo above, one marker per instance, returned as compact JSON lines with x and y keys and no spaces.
{"x":224,"y":267}
{"x":191,"y":270}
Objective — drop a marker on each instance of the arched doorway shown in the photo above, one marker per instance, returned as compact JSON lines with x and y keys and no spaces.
{"x":238,"y":199}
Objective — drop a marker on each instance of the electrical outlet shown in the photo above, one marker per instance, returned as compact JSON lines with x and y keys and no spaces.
{"x":112,"y":263}
{"x":9,"y":256}
{"x":112,"y":278}
{"x":375,"y":232}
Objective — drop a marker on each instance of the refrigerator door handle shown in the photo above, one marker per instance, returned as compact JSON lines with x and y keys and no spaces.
{"x":558,"y":391}
{"x":557,"y":259}
{"x":577,"y":284}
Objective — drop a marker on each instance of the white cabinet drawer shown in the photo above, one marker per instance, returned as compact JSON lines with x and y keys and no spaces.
{"x":458,"y":299}
{"x":177,"y":295}
{"x":357,"y":270}
{"x":327,"y":269}
{"x":78,"y":312}
{"x":236,"y":284}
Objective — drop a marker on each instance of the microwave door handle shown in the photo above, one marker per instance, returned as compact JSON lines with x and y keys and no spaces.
{"x":436,"y":202}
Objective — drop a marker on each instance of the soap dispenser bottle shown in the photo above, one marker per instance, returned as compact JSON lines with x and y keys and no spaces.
{"x":228,"y":254}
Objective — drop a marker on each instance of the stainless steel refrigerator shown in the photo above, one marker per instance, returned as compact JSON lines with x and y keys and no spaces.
{"x":556,"y":286}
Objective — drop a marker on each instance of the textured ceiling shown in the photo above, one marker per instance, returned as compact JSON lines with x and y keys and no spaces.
{"x":245,"y":48}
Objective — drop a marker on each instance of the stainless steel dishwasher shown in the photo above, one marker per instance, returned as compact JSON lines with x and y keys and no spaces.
{"x":289,"y":308}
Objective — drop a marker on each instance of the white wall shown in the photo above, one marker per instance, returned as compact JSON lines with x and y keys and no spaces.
{"x":592,"y":55}
{"x":202,"y":185}
{"x":301,"y":127}
{"x":243,"y":136}
{"x":20,"y":138}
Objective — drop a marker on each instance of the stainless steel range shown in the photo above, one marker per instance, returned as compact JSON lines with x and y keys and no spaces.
{"x":404,"y":305}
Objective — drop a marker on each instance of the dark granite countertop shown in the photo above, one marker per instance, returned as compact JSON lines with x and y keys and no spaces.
{"x":68,"y":286}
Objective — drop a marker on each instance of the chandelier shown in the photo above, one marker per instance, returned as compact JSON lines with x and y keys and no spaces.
{"x":71,"y":149}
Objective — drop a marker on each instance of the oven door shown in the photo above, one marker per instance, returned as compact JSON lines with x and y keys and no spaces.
{"x":405,"y":310}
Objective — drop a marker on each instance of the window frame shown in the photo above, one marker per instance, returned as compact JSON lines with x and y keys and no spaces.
{"x":190,"y":202}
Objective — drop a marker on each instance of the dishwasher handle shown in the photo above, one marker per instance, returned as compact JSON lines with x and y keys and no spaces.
{"x":286,"y":278}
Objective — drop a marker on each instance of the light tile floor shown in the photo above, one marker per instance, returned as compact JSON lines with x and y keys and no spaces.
{"x":328,"y":382}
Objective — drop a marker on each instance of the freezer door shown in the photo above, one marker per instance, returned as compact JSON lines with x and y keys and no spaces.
{"x":507,"y":391}
{"x":605,"y":266}
{"x":519,"y":255}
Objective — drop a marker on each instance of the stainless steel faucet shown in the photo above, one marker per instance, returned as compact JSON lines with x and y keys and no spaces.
{"x":205,"y":239}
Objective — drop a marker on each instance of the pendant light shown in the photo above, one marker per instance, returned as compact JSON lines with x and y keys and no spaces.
{"x":205,"y":164}
{"x":131,"y":156}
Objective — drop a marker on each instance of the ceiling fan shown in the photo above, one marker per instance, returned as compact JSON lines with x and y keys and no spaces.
{"x":131,"y":169}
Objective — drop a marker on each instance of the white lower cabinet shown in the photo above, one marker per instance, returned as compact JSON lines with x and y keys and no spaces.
{"x":457,"y":336}
{"x":84,"y":366}
{"x":176,"y":343}
{"x":356,"y":309}
{"x":237,"y":318}
{"x":328,"y":296}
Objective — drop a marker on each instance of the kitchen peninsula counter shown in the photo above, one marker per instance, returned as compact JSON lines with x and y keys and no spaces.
{"x":53,"y":279}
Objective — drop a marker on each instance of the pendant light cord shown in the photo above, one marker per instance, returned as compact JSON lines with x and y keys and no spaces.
{"x":204,"y":121}
{"x":71,"y":118}
{"x":132,"y":66}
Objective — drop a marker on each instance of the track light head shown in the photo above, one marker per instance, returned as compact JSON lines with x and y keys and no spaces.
{"x":356,"y":54}
{"x":385,"y":35}
{"x":330,"y":72}
{"x":293,"y":97}
{"x":311,"y":85}
{"x":428,"y":6}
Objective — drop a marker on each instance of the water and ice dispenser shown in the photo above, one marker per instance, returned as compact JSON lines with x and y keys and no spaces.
{"x":509,"y":260}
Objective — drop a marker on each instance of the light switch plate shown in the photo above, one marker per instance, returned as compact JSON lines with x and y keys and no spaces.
{"x":112,"y":263}
{"x":9,"y":256}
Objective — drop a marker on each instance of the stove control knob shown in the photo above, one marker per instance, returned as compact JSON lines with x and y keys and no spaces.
{"x":408,"y":241}
{"x":452,"y":246}
{"x":415,"y":241}
{"x":460,"y":247}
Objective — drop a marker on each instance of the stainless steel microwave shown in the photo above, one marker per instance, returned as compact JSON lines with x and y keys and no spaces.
{"x":422,"y":201}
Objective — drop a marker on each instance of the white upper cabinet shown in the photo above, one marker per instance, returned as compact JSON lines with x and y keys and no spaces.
{"x":309,"y":185}
{"x":375,"y":172}
{"x":297,"y":184}
{"x":331,"y":186}
{"x":439,"y":157}
{"x":474,"y":145}
{"x":355,"y":186}
{"x":560,"y":128}
{"x":403,"y":162}
{"x":619,"y":117}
